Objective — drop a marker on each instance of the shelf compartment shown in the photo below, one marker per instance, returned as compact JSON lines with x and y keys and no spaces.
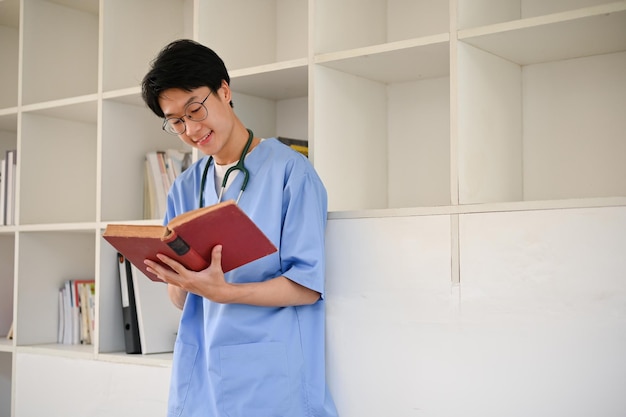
{"x":543,"y":85}
{"x":530,"y":133}
{"x":9,"y":52}
{"x":59,"y":256}
{"x":56,"y":164}
{"x":8,"y":133}
{"x":62,"y":40}
{"x":129,"y":131}
{"x":278,"y":81}
{"x":150,"y":296}
{"x":574,"y":124}
{"x":573,"y":34}
{"x":350,"y":25}
{"x":382,"y":138}
{"x":272,"y":118}
{"x":128,"y":48}
{"x":272,"y":100}
{"x":283,"y":36}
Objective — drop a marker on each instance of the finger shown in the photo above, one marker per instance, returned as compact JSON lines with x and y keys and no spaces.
{"x":176,"y":266}
{"x":158,"y":270}
{"x":156,"y":273}
{"x":216,"y":256}
{"x":162,"y":272}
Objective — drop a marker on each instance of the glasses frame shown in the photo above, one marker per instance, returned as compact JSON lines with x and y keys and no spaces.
{"x":182,"y":118}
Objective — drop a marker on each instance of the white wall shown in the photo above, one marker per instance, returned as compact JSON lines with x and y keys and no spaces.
{"x":390,"y":312}
{"x":543,"y":302}
{"x":537,"y":326}
{"x":5,"y":383}
{"x":58,"y":386}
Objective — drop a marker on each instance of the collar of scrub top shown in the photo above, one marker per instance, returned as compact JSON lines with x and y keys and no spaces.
{"x":238,"y":166}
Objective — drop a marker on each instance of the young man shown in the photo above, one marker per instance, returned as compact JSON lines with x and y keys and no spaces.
{"x":250,"y":342}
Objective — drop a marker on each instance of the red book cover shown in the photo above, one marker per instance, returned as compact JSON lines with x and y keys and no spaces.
{"x":190,"y":238}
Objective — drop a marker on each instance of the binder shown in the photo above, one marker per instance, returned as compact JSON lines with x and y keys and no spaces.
{"x":129,"y":310}
{"x":157,"y":316}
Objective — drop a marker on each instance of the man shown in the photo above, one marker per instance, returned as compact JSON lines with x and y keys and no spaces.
{"x":250,"y":342}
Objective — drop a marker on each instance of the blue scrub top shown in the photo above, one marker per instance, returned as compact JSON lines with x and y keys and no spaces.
{"x":241,"y":360}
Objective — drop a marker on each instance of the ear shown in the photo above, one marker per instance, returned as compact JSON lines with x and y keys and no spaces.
{"x":224,"y":92}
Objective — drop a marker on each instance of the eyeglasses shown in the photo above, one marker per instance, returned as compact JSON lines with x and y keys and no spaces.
{"x":195,"y":112}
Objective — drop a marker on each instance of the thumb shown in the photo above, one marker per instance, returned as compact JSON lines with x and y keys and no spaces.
{"x":216,"y":255}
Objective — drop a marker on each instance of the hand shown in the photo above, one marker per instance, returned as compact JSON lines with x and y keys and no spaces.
{"x":209,"y":283}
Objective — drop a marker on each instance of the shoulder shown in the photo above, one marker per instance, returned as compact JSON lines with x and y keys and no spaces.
{"x":275,"y":145}
{"x":279,"y":153}
{"x":293,"y":168}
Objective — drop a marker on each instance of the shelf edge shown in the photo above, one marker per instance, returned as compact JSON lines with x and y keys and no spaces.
{"x":543,"y":20}
{"x":385,"y":47}
{"x":481,"y":208}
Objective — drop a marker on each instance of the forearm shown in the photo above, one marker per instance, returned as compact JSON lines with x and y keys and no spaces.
{"x":177,"y":295}
{"x":210,"y":284}
{"x":277,"y":292}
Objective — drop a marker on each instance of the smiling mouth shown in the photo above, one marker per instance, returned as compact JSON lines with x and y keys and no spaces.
{"x":203,"y":140}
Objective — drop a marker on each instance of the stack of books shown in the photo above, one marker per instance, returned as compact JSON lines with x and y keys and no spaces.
{"x":162,"y":168}
{"x":77,"y":311}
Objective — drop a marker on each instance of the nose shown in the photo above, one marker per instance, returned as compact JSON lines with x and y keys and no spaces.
{"x":192,"y":127}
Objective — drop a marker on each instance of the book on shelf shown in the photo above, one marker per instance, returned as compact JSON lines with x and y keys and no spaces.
{"x":299,"y":145}
{"x":161,"y":169}
{"x":87,"y":311}
{"x":8,"y":175}
{"x":149,"y":319}
{"x":190,"y":238}
{"x":129,"y":308}
{"x":3,"y":164}
{"x":157,"y":189}
{"x":76,"y":312}
{"x":157,"y":317}
{"x":11,"y":331}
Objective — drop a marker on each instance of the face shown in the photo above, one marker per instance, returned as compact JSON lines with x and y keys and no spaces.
{"x":210,"y":135}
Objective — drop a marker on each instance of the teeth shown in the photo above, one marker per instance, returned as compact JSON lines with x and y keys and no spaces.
{"x":204,"y":138}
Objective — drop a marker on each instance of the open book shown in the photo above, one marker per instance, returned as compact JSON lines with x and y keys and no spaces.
{"x":190,"y":238}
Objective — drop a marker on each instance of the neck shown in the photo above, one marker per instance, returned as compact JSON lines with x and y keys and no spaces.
{"x":237,"y":145}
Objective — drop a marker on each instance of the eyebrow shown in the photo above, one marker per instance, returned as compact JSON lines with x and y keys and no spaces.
{"x":191,"y":99}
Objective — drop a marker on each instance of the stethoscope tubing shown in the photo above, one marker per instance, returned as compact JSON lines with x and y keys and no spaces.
{"x":238,"y":166}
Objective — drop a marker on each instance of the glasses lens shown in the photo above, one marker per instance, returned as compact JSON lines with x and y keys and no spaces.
{"x":174,"y":125}
{"x":196,"y":112}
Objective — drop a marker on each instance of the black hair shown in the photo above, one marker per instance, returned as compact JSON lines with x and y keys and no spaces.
{"x":183,"y":64}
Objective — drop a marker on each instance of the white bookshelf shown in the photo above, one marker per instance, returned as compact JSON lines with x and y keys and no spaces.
{"x":420,"y":107}
{"x":551,"y":93}
{"x":9,"y":70}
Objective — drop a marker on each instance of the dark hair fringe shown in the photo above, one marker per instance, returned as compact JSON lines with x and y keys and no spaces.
{"x":183,"y":64}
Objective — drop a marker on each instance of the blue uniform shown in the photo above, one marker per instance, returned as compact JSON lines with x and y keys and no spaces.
{"x":239,"y":360}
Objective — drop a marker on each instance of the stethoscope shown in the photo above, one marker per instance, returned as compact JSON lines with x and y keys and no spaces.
{"x":238,"y":166}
